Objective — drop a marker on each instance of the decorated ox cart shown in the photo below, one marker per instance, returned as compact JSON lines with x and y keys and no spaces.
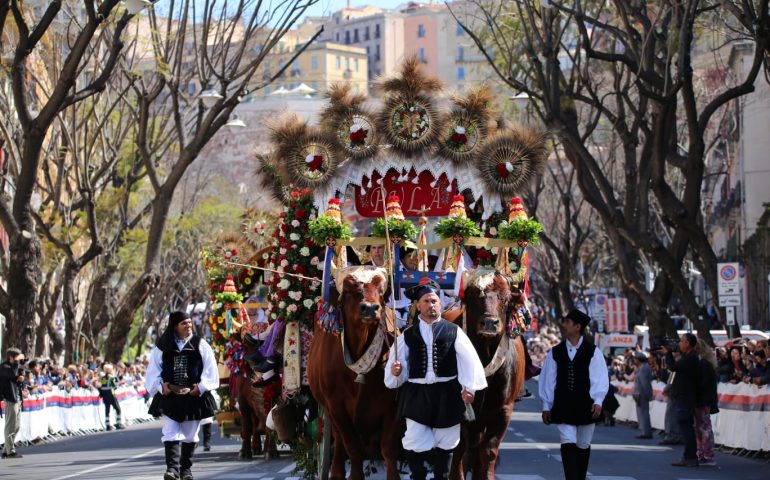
{"x":453,"y":166}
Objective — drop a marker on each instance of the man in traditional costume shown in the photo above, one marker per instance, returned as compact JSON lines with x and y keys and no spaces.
{"x":439,"y":372}
{"x":181,"y":373}
{"x":573,"y":383}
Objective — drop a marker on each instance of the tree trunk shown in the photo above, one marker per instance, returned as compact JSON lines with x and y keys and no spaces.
{"x":23,"y":279}
{"x":71,"y":325}
{"x":121,"y":322}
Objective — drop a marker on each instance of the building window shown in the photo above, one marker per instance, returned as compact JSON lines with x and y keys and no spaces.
{"x":337,"y":62}
{"x":314,"y":62}
{"x":459,"y":30}
{"x":191,"y":87}
{"x":460,"y":73}
{"x":377,"y":31}
{"x":347,"y":63}
{"x":347,"y":37}
{"x":422,"y":55}
{"x":367,"y":50}
{"x":460,"y":54}
{"x":337,"y":37}
{"x":366,"y":33}
{"x":355,"y":36}
{"x":355,"y":63}
{"x":314,"y":85}
{"x":421,"y":30}
{"x":377,"y":53}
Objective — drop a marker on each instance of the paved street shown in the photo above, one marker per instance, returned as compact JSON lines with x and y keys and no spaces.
{"x":530,"y":452}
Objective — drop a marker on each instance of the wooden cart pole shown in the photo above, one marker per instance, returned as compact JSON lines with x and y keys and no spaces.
{"x":389,"y":249}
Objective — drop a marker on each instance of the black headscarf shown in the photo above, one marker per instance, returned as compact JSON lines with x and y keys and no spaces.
{"x":167,"y":341}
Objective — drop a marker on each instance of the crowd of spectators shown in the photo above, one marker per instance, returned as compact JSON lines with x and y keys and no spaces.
{"x":744,"y":361}
{"x":42,"y":375}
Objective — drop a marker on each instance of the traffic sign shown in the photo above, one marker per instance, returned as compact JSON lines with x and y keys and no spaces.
{"x":728,"y":280}
{"x":729,"y":300}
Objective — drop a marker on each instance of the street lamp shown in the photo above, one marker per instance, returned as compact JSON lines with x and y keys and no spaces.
{"x":210,"y":97}
{"x":235,"y":123}
{"x":136,"y":6}
{"x":521,"y":100}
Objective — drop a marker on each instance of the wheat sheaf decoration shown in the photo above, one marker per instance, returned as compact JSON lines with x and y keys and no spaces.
{"x":351,"y":125}
{"x":409,"y":121}
{"x":510,"y":159}
{"x":271,"y":179}
{"x":230,"y":247}
{"x":305,"y":157}
{"x":466,"y":126}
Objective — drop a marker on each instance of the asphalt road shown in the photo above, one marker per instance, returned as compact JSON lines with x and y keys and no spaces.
{"x":530,"y":452}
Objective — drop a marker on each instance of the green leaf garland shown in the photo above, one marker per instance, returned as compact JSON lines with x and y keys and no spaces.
{"x":463,"y":226}
{"x":324,"y":227}
{"x":528,"y":230}
{"x":404,"y":229}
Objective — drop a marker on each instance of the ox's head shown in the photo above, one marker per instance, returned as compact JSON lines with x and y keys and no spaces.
{"x":487,"y":298}
{"x":362,"y":293}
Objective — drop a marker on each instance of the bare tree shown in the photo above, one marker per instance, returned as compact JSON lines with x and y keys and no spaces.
{"x":627,"y":65}
{"x":79,"y":32}
{"x":219,"y":47}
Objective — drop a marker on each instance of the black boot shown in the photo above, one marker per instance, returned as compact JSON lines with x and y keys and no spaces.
{"x":583,"y":454}
{"x":172,"y":461}
{"x":442,"y":463}
{"x":569,"y":461}
{"x":185,"y":464}
{"x":416,"y":461}
{"x":206,"y":437}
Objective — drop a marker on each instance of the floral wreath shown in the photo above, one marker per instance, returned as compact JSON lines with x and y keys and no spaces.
{"x":462,"y":139}
{"x":312,"y":162}
{"x":410,"y":124}
{"x":358,"y":136}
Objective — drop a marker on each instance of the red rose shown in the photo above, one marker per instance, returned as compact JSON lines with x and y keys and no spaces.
{"x":300,"y":214}
{"x":501,"y":170}
{"x":358,"y":136}
{"x":316,"y":163}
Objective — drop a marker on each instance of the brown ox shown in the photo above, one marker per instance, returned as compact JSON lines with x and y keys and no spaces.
{"x":254,"y":408}
{"x":362,"y":414}
{"x":488,"y":300}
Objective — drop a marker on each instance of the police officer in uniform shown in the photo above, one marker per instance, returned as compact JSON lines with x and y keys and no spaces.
{"x":182,"y":372}
{"x":573,"y":384}
{"x":439,"y":372}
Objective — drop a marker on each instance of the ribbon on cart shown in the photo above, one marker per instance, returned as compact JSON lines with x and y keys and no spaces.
{"x":328,"y":314}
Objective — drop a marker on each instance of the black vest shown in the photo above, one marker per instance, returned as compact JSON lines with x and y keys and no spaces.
{"x":444,"y":356}
{"x":572,"y":399}
{"x":183,"y":367}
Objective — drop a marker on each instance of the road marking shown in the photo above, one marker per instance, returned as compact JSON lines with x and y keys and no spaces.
{"x":102,"y":467}
{"x":542,"y":447}
{"x":521,"y":435}
{"x":238,"y":476}
{"x":288,"y":469}
{"x":529,"y":440}
{"x":518,"y":477}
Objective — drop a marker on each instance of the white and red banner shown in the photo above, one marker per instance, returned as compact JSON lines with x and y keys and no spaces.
{"x":616,"y":319}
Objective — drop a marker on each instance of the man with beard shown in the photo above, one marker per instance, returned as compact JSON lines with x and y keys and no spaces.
{"x":439,"y":372}
{"x":182,"y":372}
{"x":572,"y":385}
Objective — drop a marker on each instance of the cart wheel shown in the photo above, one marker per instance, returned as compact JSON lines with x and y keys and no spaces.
{"x":323,"y":445}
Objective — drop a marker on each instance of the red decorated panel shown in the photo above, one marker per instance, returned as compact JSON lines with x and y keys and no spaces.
{"x":425,"y":193}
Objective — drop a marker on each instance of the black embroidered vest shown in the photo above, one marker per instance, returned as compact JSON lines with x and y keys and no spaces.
{"x":183,"y":367}
{"x":444,"y":356}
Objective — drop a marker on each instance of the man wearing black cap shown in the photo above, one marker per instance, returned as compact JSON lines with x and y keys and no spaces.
{"x":572,"y":385}
{"x":439,"y":372}
{"x":182,"y":372}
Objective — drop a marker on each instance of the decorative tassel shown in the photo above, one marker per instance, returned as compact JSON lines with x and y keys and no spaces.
{"x":360,"y":379}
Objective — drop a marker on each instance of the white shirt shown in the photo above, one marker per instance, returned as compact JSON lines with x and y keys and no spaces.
{"x":597,"y":373}
{"x":470,"y":372}
{"x":209,"y":375}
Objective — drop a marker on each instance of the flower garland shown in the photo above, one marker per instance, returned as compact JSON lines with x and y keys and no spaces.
{"x":234,"y":357}
{"x":410,"y":121}
{"x":294,"y":299}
